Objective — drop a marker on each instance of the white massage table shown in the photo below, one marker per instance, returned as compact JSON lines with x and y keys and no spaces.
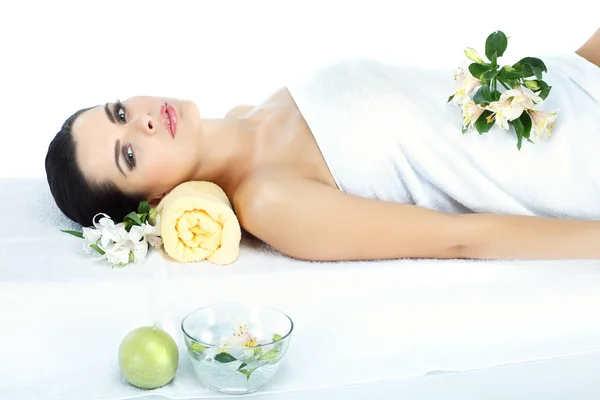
{"x":380,"y":330}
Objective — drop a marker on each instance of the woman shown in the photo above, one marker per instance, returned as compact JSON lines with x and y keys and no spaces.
{"x":340,"y":167}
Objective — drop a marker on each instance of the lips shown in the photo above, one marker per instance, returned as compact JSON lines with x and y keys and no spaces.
{"x":168,"y":117}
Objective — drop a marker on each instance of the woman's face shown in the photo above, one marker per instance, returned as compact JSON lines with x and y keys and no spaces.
{"x":142,"y":145}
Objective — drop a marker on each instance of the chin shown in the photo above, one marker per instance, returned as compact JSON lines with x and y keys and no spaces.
{"x":190,"y":111}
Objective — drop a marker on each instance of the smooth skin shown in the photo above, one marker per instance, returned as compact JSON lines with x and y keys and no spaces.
{"x":266,"y":159}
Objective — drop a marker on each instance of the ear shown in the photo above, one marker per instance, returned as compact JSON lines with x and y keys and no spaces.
{"x":153,"y":201}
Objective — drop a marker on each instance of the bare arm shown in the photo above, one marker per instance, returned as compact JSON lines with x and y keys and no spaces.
{"x":590,"y":50}
{"x":311,"y":221}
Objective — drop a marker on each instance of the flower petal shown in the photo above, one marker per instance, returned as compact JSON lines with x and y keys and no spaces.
{"x":118,"y":254}
{"x":91,"y":235}
{"x":136,"y":233}
{"x":154,"y":241}
{"x":98,"y":225}
{"x":140,"y":250}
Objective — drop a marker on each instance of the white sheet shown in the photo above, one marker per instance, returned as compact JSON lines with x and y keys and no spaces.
{"x":63,"y":315}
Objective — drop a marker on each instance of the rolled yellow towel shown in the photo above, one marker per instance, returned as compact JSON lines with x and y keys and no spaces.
{"x":197,"y":222}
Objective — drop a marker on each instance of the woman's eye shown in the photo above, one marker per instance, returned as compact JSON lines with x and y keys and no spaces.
{"x":130,"y":157}
{"x":120,"y":112}
{"x":121,"y":115}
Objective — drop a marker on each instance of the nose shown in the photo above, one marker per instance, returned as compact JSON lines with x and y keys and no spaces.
{"x":146,"y":124}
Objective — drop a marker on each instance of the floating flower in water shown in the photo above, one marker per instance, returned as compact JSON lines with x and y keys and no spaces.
{"x":242,"y":338}
{"x":253,"y":352}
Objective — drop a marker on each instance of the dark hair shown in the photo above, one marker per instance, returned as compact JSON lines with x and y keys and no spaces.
{"x":79,"y":199}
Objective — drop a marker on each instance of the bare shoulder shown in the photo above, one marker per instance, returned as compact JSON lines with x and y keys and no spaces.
{"x":257,"y":193}
{"x":590,"y":50}
{"x":239,"y":111}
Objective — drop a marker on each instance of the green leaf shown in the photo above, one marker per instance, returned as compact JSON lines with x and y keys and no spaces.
{"x":98,"y":249}
{"x":483,"y":95}
{"x":134,"y":217}
{"x":450,"y":99}
{"x":269,"y":355}
{"x":277,"y":337}
{"x":494,"y":60}
{"x":257,"y":352}
{"x":74,"y":233}
{"x":530,"y":66}
{"x":510,"y":83}
{"x":532,"y":62}
{"x":195,"y":349}
{"x":242,"y":365}
{"x":519,"y":130}
{"x":275,"y":361}
{"x":198,"y":347}
{"x":537,"y":72}
{"x":526,"y":71}
{"x":496,"y":43}
{"x":477,"y":70}
{"x":507,"y":73}
{"x":144,"y":207}
{"x":247,"y":372}
{"x":496,"y":95}
{"x":545,"y":90}
{"x":224,"y":358}
{"x":489,"y":75}
{"x":482,"y":125}
{"x":194,"y":354}
{"x":128,"y":224}
{"x":525,"y":119}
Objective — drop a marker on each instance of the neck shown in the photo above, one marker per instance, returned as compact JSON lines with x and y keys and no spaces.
{"x":227,"y":152}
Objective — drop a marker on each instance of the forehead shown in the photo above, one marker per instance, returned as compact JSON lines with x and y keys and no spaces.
{"x":95,"y":137}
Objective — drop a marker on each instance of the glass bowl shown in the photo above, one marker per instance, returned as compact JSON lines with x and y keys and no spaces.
{"x":236,"y":348}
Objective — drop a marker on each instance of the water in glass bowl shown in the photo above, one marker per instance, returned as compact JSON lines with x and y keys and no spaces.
{"x":235,"y":370}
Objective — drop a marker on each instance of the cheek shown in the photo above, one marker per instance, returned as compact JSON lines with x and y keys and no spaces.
{"x":170,"y":166}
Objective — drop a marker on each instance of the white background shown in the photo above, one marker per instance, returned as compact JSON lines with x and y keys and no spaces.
{"x":60,"y":56}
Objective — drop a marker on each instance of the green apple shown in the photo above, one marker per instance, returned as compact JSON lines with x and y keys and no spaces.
{"x":148,"y":357}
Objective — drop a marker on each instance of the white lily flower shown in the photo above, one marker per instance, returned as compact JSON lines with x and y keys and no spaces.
{"x":137,"y":232}
{"x":155,"y":241}
{"x":101,"y":222}
{"x":115,"y":233}
{"x":518,"y":96}
{"x":150,"y":234}
{"x":471,"y":112}
{"x":91,"y":236}
{"x":503,"y":111}
{"x":468,"y":84}
{"x":120,"y":247}
{"x":139,"y":250}
{"x":118,"y":253}
{"x":542,"y":122}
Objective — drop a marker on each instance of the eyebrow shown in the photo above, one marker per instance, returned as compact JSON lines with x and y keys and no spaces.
{"x":117,"y":151}
{"x":109,"y":114}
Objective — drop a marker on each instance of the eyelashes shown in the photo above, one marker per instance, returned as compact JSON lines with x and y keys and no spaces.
{"x":129,"y":156}
{"x":120,"y":112}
